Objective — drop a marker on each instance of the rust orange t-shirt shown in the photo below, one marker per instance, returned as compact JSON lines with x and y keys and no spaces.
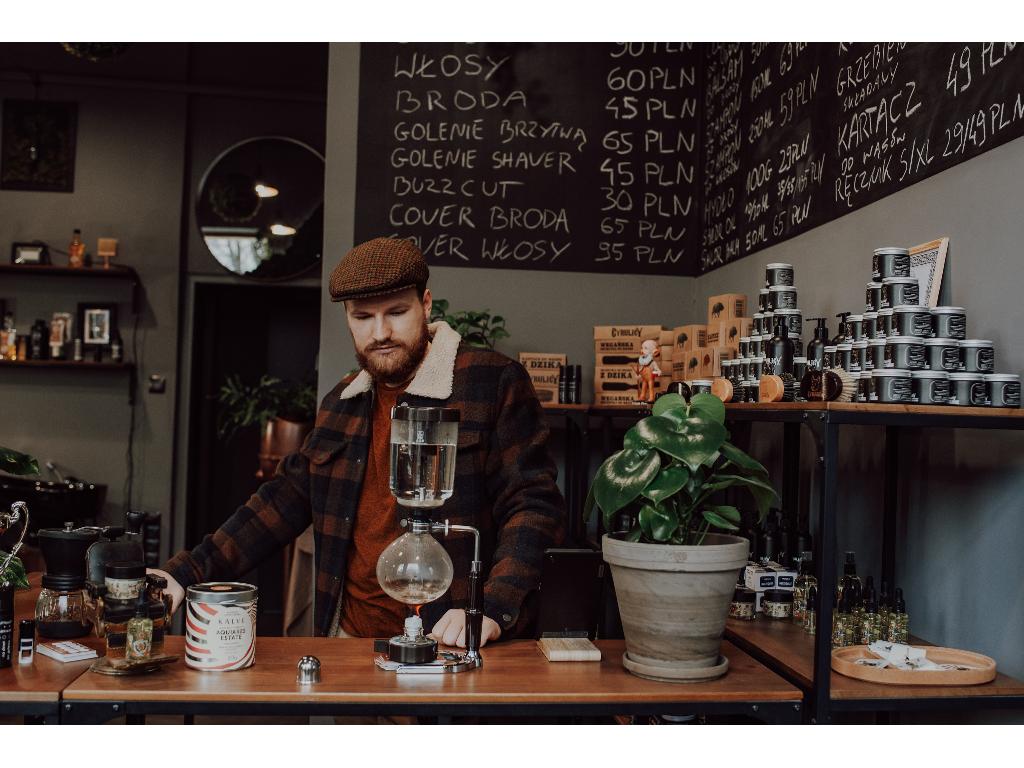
{"x":366,"y":611}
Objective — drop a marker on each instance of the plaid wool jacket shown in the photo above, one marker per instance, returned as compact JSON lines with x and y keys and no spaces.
{"x":504,"y":485}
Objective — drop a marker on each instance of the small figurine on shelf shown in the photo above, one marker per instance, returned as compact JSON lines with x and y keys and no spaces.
{"x":647,"y":371}
{"x":76,"y":250}
{"x":106,"y":249}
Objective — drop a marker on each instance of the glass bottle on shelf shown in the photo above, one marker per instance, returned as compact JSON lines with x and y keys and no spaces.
{"x":804,"y":581}
{"x":899,"y":622}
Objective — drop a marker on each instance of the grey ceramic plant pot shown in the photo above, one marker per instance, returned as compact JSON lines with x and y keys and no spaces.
{"x":674,"y":601}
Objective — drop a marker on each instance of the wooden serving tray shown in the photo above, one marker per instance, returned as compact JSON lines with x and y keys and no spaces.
{"x":981,"y":669}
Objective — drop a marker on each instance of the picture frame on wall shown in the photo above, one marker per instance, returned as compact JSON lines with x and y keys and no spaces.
{"x":37,"y":145}
{"x":927,"y":263}
{"x":97,"y":323}
{"x":30,"y":253}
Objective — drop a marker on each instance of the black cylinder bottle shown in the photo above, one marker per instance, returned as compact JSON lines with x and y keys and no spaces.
{"x":816,"y":346}
{"x":780,"y":349}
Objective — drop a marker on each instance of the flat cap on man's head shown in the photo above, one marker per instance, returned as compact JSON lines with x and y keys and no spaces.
{"x":378,"y":267}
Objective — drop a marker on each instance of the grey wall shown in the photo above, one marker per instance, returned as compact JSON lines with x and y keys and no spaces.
{"x":127,"y":185}
{"x":958,"y":559}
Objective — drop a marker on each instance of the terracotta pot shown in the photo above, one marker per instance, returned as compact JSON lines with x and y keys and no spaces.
{"x":280,"y":437}
{"x":674,"y":601}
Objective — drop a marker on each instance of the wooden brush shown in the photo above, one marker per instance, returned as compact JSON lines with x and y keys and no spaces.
{"x":722,"y":389}
{"x":839,"y":386}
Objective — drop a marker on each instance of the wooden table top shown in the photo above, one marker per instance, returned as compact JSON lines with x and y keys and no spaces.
{"x":513,"y":672}
{"x":45,"y":678}
{"x":794,"y":650}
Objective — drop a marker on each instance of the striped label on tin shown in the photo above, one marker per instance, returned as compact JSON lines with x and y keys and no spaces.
{"x":220,"y":637}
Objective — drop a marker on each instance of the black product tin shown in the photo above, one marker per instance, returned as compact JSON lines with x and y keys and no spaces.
{"x":758,"y":323}
{"x":752,"y":390}
{"x":799,"y":368}
{"x":898,"y":291}
{"x":859,"y":356}
{"x":778,"y":274}
{"x":854,"y":327}
{"x":794,"y":320}
{"x":1003,"y":390}
{"x":829,"y":358}
{"x":968,"y":389}
{"x":744,"y":346}
{"x":931,"y":387}
{"x":890,"y":262}
{"x":844,"y":355}
{"x":885,"y":323}
{"x":700,"y":387}
{"x":781,"y":297}
{"x":876,"y":353}
{"x":943,"y":354}
{"x":762,"y":299}
{"x":978,"y":355}
{"x":892,"y":385}
{"x":912,"y":321}
{"x":949,"y":322}
{"x":870,"y":325}
{"x":905,"y":352}
{"x":873,"y":297}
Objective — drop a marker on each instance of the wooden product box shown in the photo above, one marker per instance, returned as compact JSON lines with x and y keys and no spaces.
{"x":730,"y":331}
{"x":718,"y":354}
{"x":726,"y":306}
{"x":665,"y":356}
{"x":543,"y":368}
{"x":639,"y":332}
{"x":686,"y":366}
{"x":546,"y":394}
{"x":667,"y":338}
{"x":611,"y":379}
{"x":615,"y":399}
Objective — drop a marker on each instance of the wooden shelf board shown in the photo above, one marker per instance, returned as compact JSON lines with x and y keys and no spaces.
{"x":116,"y":271}
{"x":82,"y":366}
{"x":792,"y":649}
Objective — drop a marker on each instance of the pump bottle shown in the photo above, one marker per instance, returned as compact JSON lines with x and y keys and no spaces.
{"x":780,"y":349}
{"x":816,"y":346}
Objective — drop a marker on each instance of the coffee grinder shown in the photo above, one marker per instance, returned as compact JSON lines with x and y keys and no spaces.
{"x":415,"y":569}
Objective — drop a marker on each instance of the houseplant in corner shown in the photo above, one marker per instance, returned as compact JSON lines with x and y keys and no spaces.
{"x":674,"y":574}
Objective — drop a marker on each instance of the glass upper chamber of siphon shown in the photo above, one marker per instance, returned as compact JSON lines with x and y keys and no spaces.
{"x":415,"y":569}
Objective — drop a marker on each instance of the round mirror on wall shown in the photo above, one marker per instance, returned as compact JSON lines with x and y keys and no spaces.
{"x":260,"y":208}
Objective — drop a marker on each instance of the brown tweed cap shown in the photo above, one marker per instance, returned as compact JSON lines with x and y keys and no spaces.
{"x":378,"y":267}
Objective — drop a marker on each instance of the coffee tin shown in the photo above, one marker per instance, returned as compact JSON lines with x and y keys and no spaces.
{"x":799,"y":368}
{"x":744,"y":346}
{"x":220,"y":626}
{"x":829,"y":357}
{"x":943,"y":354}
{"x":978,"y":355}
{"x":778,"y":274}
{"x":859,"y":356}
{"x":898,"y":291}
{"x":931,"y":387}
{"x":892,"y":385}
{"x":782,"y":297}
{"x":949,"y":322}
{"x":1003,"y":390}
{"x":968,"y":389}
{"x":758,"y":323}
{"x":844,"y":356}
{"x":890,"y":262}
{"x":905,"y":352}
{"x":762,"y":299}
{"x":876,"y":354}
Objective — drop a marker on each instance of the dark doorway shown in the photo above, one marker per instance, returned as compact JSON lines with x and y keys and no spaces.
{"x":249,"y":331}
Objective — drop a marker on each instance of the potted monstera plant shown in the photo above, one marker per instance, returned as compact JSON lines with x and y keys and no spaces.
{"x":675,"y":565}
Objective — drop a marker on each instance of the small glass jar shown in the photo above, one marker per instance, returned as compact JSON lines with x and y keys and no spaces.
{"x":777,"y":604}
{"x":742,"y":605}
{"x":125,"y":581}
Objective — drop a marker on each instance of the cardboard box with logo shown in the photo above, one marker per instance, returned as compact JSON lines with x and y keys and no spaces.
{"x":726,"y":307}
{"x":543,"y":368}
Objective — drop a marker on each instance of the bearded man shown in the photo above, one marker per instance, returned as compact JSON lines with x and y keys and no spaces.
{"x":338,"y":481}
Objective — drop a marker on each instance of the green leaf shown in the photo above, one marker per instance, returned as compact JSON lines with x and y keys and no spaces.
{"x":764,"y":494}
{"x":742,"y":460}
{"x":588,"y":505}
{"x":667,"y":402}
{"x":718,"y":521}
{"x":623,"y":476}
{"x":634,"y":440}
{"x":693,"y":441}
{"x":669,"y":481}
{"x":729,"y":513}
{"x":658,"y":523}
{"x":17,"y":463}
{"x":709,"y":405}
{"x":634,"y":534}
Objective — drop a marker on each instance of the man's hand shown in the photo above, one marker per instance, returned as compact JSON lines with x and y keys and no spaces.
{"x":174,"y":589}
{"x":451,"y":629}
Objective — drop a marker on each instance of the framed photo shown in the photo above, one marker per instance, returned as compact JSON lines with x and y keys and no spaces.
{"x":98,"y":323}
{"x":37,"y":149}
{"x":927,"y":263}
{"x":30,"y":253}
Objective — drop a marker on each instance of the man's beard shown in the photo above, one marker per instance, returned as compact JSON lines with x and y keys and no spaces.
{"x":400,"y":365}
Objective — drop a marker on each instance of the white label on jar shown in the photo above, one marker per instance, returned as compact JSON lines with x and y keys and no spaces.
{"x":902,"y":390}
{"x":910,"y":296}
{"x":901,"y":265}
{"x":950,"y":359}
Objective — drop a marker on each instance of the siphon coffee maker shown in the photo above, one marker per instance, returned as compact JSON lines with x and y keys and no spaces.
{"x":415,"y":569}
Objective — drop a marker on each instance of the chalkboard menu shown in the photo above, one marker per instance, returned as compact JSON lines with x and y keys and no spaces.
{"x":668,"y":158}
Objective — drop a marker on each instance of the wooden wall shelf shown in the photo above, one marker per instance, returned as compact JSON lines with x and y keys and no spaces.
{"x":84,"y":365}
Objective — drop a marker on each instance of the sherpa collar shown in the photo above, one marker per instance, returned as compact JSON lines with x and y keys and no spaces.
{"x":436,"y":373}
